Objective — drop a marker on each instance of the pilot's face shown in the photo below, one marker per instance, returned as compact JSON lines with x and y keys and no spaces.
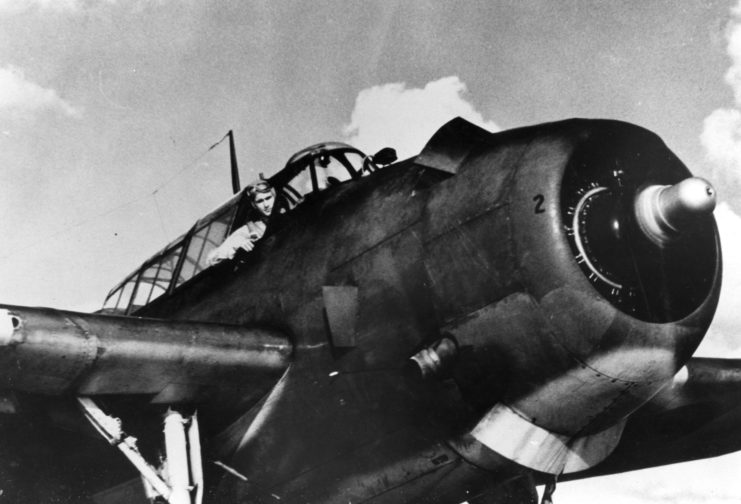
{"x":264,"y":202}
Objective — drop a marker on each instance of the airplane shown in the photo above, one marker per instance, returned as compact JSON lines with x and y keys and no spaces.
{"x":501,"y":311}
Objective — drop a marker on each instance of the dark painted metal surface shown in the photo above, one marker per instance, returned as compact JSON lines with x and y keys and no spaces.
{"x":62,"y":353}
{"x":468,"y":242}
{"x":341,"y":308}
{"x":470,"y":255}
{"x":696,"y":416}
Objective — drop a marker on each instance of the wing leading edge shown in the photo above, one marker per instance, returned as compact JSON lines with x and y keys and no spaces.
{"x":695,"y":417}
{"x":66,"y":353}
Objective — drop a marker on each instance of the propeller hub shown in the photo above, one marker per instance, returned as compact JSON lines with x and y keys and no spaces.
{"x":663,"y":211}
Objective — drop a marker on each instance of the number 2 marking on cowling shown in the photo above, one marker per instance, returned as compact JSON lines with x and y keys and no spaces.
{"x":539,"y":200}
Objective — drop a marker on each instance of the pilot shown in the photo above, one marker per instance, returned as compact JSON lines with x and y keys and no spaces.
{"x":262,"y":197}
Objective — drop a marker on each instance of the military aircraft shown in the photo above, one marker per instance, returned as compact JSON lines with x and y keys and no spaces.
{"x":498,"y":312}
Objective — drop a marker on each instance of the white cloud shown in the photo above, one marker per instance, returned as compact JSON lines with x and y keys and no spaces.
{"x":733,"y":75}
{"x":21,"y":96}
{"x":405,"y":118}
{"x":722,"y":339}
{"x":721,"y":134}
{"x":721,"y":137}
{"x":703,"y":481}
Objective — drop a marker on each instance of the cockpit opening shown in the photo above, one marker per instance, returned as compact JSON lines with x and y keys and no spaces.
{"x":308,"y":172}
{"x":316,"y":168}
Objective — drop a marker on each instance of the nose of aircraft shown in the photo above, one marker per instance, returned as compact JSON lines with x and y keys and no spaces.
{"x":611,"y":278}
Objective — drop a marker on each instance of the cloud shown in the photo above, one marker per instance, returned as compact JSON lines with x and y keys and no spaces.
{"x":733,"y":34}
{"x":704,"y":481}
{"x":723,"y":339}
{"x":405,"y":118}
{"x":721,"y":134}
{"x":721,"y":138}
{"x":19,"y":95}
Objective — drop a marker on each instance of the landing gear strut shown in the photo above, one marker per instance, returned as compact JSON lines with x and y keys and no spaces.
{"x":548,"y":491}
{"x":181,"y":481}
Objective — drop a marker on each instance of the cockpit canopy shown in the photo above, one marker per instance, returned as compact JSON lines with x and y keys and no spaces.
{"x":308,"y":172}
{"x":318,"y":167}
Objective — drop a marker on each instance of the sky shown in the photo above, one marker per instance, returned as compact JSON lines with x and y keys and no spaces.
{"x":109,"y":110}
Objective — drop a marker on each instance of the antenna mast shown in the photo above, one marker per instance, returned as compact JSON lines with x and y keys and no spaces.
{"x":235,"y":169}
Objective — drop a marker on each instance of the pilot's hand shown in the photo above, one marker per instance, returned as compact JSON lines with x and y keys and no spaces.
{"x":247,"y":245}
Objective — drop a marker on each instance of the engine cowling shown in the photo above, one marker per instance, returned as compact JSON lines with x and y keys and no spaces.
{"x":570,"y":314}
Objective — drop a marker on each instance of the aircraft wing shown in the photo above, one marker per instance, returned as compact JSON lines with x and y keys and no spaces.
{"x":695,"y":417}
{"x":50,"y":356}
{"x":58,"y":353}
